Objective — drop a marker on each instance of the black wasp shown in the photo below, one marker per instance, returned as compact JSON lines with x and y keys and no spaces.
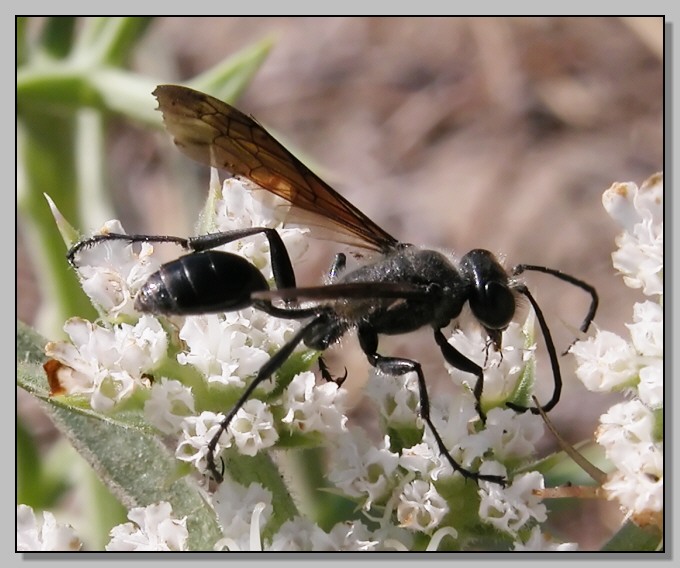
{"x":405,"y":289}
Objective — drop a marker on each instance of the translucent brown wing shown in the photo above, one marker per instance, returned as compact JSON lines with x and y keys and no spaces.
{"x":215,"y":133}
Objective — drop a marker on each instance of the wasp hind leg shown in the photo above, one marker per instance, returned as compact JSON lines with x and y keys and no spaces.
{"x":396,"y":366}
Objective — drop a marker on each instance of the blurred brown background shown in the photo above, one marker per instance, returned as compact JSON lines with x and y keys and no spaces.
{"x":458,"y":133}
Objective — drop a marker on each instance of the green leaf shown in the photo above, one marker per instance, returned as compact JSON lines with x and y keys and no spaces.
{"x":632,"y":538}
{"x":228,"y":79}
{"x":46,"y":164}
{"x":304,"y":474}
{"x":30,"y":345}
{"x":57,"y":36}
{"x":109,"y":41}
{"x":35,"y":486}
{"x":140,"y":471}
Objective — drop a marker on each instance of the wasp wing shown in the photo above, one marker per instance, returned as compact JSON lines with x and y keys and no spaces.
{"x":350,"y":300}
{"x":215,"y":133}
{"x":346,"y":291}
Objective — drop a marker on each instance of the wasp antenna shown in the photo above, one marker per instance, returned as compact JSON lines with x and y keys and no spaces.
{"x":552,"y":353}
{"x":594,"y":299}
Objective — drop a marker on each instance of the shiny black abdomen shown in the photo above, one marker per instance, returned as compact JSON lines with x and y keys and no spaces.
{"x":201,"y":283}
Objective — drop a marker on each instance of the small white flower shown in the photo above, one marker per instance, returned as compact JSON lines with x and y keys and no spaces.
{"x":169,"y":403}
{"x":197,"y":431}
{"x":646,"y":331}
{"x":511,"y":435}
{"x":640,"y":491}
{"x":253,"y":428}
{"x":510,"y":508}
{"x":277,"y":331}
{"x":312,"y":407}
{"x":452,"y":416}
{"x":142,"y":346}
{"x":242,"y":206}
{"x":254,"y":538}
{"x":361,"y":469}
{"x":110,"y":389}
{"x":421,"y":507}
{"x":626,"y":427}
{"x":237,"y":507}
{"x":397,"y":398}
{"x":606,"y":362}
{"x":36,"y":535}
{"x":111,"y":272}
{"x":299,"y":534}
{"x":352,"y":535}
{"x":424,"y":460}
{"x":628,"y":205}
{"x":152,"y":529}
{"x":302,"y":535}
{"x":626,"y":432}
{"x":650,"y":388}
{"x":640,"y":213}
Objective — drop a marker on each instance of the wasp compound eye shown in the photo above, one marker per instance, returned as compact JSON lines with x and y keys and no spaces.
{"x":491,"y":299}
{"x":493,"y":305}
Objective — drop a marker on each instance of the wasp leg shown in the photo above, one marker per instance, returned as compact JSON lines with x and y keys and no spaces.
{"x":461,"y":362}
{"x":368,"y":340}
{"x":282,"y":267}
{"x":267,"y":370}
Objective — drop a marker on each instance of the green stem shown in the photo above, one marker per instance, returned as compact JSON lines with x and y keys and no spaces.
{"x":47,"y":150}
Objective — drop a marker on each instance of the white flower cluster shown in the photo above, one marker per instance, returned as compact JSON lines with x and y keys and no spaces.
{"x":362,"y":468}
{"x":537,"y":541}
{"x":106,"y":364}
{"x":630,"y":431}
